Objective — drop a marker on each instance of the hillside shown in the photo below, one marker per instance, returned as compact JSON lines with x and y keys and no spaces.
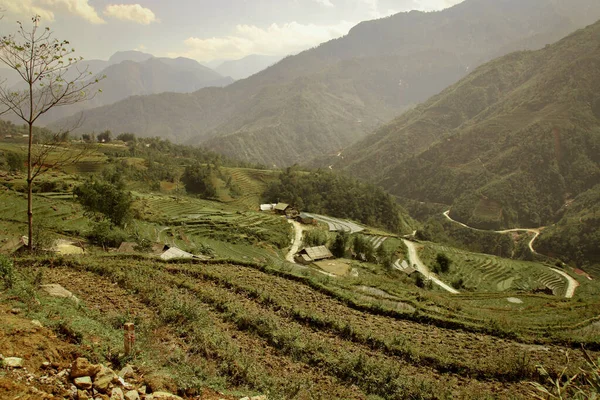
{"x":325,"y":98}
{"x":247,"y":66}
{"x":507,"y":146}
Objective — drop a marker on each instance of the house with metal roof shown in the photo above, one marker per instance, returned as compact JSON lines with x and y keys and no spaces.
{"x":309,"y":255}
{"x":281,"y":208}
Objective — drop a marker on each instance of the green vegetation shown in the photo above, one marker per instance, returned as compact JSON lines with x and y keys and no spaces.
{"x":338,"y":196}
{"x":198,"y":180}
{"x":508,"y":146}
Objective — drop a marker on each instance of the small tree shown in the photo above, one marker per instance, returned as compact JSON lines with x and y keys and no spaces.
{"x":198,"y":180}
{"x":340,"y":243}
{"x":106,"y":196}
{"x":104,"y":137}
{"x":443,"y":262}
{"x":42,"y":62}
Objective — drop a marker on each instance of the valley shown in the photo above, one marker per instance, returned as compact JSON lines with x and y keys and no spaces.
{"x":406,"y":207}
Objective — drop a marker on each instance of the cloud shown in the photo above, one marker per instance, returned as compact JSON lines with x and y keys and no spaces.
{"x":47,"y":8}
{"x":131,"y":12}
{"x":277,"y":39}
{"x":325,"y":3}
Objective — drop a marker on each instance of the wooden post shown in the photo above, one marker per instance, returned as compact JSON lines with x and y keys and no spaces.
{"x":129,"y":331}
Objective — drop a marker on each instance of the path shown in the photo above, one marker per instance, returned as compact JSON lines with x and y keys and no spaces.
{"x":535,"y":231}
{"x":296,"y":241}
{"x":422,"y":268}
{"x":572,"y":284}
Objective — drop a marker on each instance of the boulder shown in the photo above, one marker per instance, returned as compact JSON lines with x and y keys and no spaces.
{"x":56,"y":290}
{"x":12,"y":362}
{"x":104,"y":378}
{"x":117,"y":394}
{"x":82,"y":367}
{"x":127,"y":372}
{"x":83,"y":382}
{"x":132,"y":395}
{"x":82,"y":395}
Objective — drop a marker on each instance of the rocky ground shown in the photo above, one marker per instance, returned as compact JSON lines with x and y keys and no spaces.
{"x":36,"y":364}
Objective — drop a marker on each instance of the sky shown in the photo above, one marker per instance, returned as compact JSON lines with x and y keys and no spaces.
{"x":204,"y":30}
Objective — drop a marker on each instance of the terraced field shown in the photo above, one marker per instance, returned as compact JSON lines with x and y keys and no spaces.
{"x":193,"y":220}
{"x":376,"y":241}
{"x":292,"y":339}
{"x":337,"y":224}
{"x":252,"y":183}
{"x":486,"y":273}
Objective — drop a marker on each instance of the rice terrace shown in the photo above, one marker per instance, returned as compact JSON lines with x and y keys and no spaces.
{"x":408,"y":210}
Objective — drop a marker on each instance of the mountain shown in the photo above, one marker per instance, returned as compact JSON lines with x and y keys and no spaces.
{"x":323,"y":99}
{"x":510,"y":145}
{"x":135,"y":78}
{"x":247,"y":66}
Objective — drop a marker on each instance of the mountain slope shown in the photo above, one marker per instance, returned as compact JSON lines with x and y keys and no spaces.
{"x":350,"y":85}
{"x":506,"y":146}
{"x":247,"y":66}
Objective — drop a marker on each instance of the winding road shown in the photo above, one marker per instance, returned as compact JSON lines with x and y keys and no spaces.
{"x":422,"y":268}
{"x":572,"y":284}
{"x":296,"y":241}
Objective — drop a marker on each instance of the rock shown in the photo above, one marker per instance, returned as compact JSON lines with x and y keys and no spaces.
{"x":82,"y":395}
{"x":83,"y":382}
{"x":37,"y":323}
{"x":127,"y":372}
{"x":245,"y":398}
{"x":104,"y":378}
{"x":16,"y":310}
{"x":12,"y":362}
{"x":165,"y":396}
{"x":261,"y":397}
{"x":82,"y":367}
{"x":117,"y":394}
{"x":142,"y":390}
{"x":46,"y":364}
{"x":124,"y":384}
{"x":132,"y":395}
{"x":55,"y":290}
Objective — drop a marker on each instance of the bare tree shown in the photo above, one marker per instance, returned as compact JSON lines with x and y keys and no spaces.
{"x":48,"y":69}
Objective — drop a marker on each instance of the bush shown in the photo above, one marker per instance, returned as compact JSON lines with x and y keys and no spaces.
{"x":314,"y":237}
{"x":7,"y":272}
{"x":105,"y":235}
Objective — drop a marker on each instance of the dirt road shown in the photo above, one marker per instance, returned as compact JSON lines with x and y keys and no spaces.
{"x":422,"y":268}
{"x":572,"y":284}
{"x":296,"y":241}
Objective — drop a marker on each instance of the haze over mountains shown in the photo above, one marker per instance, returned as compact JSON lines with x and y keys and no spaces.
{"x":131,"y":73}
{"x":507,"y":146}
{"x":324,"y":99}
{"x":247,"y":66}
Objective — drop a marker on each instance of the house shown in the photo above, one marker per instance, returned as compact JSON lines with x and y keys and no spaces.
{"x":306,"y":219}
{"x":312,"y":254}
{"x":280,"y":208}
{"x":267,"y":207}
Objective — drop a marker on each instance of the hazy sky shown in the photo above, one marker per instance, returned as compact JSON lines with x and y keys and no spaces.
{"x":202,"y":29}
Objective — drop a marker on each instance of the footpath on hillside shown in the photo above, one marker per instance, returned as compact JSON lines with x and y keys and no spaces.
{"x":572,"y":284}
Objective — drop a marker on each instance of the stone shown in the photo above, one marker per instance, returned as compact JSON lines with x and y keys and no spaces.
{"x":82,"y":395}
{"x":83,"y":382}
{"x":56,"y":290}
{"x":117,"y":394}
{"x":82,"y":367}
{"x":16,"y":310}
{"x":46,"y":364}
{"x":37,"y":323}
{"x":104,"y":378}
{"x":261,"y":397}
{"x":142,"y":390}
{"x":165,"y":396}
{"x":12,"y":362}
{"x":132,"y":395}
{"x":127,"y":372}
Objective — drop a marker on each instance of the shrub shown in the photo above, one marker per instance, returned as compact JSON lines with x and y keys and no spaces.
{"x":105,"y":235}
{"x":7,"y":272}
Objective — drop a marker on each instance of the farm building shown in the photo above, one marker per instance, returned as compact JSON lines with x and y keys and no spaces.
{"x":281,"y":208}
{"x":267,"y":207}
{"x":306,"y":219}
{"x":312,"y":254}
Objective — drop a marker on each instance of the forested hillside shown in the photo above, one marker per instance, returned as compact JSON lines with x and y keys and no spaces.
{"x":325,"y":98}
{"x":507,"y":146}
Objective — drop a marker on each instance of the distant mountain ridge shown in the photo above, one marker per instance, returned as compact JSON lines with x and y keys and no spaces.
{"x":247,"y":66}
{"x":507,"y":146}
{"x":133,"y":73}
{"x":323,"y":99}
